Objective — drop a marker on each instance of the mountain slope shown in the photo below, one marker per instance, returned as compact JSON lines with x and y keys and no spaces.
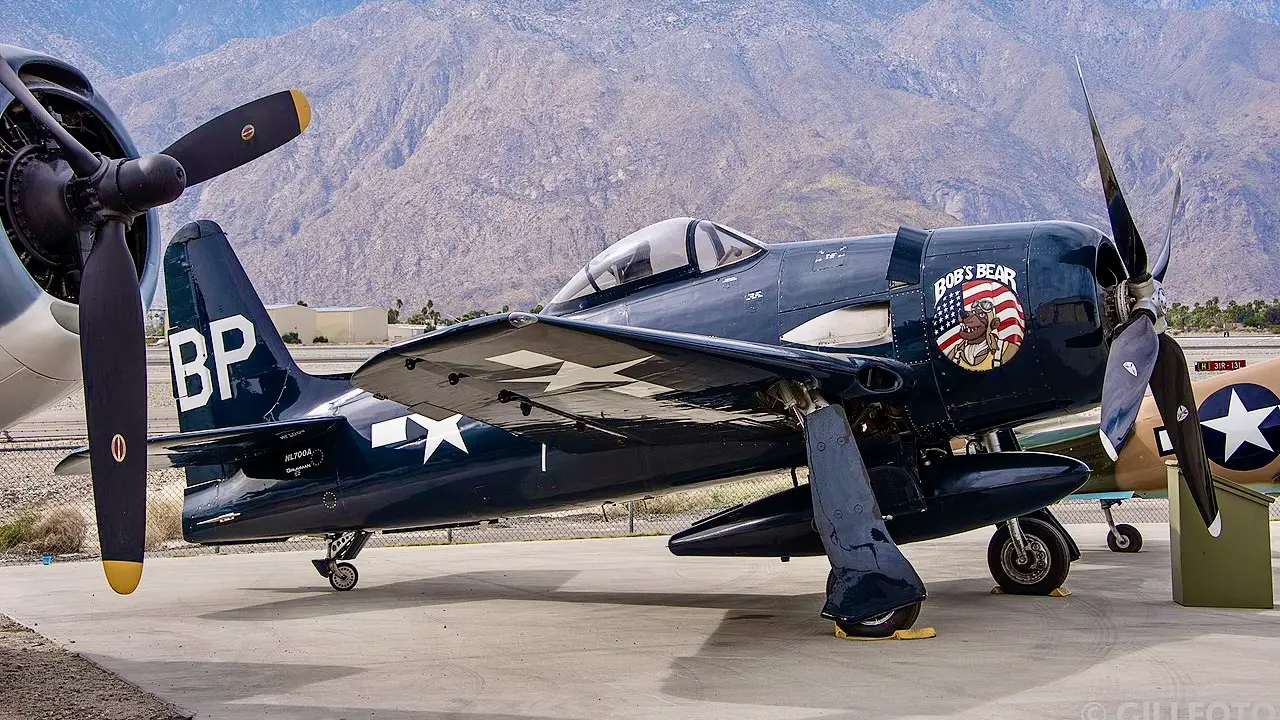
{"x":478,"y":153}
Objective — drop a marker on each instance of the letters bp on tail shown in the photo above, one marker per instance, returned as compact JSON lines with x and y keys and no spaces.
{"x":687,"y":353}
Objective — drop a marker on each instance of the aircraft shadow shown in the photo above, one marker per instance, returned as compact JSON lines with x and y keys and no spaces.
{"x":532,"y":585}
{"x":219,"y":689}
{"x":990,"y":647}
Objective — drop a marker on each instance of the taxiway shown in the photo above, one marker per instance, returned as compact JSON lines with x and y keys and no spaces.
{"x":620,"y":628}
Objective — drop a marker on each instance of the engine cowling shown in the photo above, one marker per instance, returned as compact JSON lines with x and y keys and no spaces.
{"x":39,"y":266}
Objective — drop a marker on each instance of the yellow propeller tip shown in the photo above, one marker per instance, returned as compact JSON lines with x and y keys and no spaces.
{"x":122,"y":575}
{"x":303,"y":107}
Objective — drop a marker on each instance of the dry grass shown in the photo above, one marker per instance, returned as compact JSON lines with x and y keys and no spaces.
{"x":164,"y":517}
{"x":17,"y":529}
{"x":716,"y":496}
{"x":59,"y":531}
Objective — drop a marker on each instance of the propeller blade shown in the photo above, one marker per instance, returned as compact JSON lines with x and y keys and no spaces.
{"x":1171,"y":385}
{"x":1161,"y":264}
{"x":1123,"y":229}
{"x":241,"y":135}
{"x":113,"y":356}
{"x":1129,"y":366}
{"x":83,"y":163}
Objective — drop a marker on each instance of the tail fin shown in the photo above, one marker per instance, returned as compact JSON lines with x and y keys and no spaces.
{"x":230,"y":366}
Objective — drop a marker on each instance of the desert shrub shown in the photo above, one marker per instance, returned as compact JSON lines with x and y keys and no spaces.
{"x":17,"y":529}
{"x":164,"y":518}
{"x":59,"y":531}
{"x":319,"y":339}
{"x":291,"y":338}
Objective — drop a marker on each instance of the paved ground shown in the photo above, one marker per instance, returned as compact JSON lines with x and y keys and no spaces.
{"x":620,"y":628}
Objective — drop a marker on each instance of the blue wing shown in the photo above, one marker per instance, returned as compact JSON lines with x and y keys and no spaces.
{"x":576,"y":385}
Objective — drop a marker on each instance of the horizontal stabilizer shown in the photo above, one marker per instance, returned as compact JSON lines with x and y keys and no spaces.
{"x":212,"y":447}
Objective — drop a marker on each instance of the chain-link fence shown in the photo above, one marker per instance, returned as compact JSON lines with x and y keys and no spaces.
{"x":45,"y":514}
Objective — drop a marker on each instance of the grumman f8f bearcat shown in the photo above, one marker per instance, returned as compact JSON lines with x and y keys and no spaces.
{"x":688,"y":353}
{"x":79,"y":257}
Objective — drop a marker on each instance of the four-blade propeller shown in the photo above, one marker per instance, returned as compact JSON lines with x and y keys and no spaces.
{"x":1141,"y":354}
{"x":107,"y":194}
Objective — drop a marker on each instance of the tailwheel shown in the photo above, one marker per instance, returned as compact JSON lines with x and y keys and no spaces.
{"x":1028,"y":557}
{"x":343,"y":576}
{"x":342,"y":547}
{"x":882,"y":626}
{"x":1125,"y":539}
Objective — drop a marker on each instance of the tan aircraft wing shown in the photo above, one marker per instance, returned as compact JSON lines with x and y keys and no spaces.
{"x":1242,"y":438}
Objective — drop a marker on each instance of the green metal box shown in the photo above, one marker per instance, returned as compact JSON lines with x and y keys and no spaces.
{"x":1232,"y":570}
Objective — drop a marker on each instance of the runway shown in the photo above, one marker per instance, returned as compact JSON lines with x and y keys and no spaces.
{"x":621,"y":628}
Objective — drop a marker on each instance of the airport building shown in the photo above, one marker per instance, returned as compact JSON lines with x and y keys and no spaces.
{"x":342,"y":325}
{"x":293,"y":318}
{"x":352,"y":325}
{"x":399,"y":332}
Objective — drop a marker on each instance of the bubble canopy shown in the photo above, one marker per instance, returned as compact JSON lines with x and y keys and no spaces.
{"x":666,"y":250}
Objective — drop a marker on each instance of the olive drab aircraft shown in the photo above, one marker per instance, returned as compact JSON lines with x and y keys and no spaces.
{"x":1240,"y":423}
{"x":691,"y":353}
{"x":80,"y":256}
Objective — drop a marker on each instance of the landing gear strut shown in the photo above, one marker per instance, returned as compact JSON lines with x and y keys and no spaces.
{"x":342,"y":547}
{"x":1121,"y":538}
{"x":872,"y":590}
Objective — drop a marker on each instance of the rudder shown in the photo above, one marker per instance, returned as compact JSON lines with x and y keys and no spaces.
{"x":229,"y":365}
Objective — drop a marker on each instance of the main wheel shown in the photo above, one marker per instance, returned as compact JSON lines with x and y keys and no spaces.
{"x":1130,"y":540}
{"x":1046,"y":564}
{"x":880,"y":626}
{"x":344,"y":576}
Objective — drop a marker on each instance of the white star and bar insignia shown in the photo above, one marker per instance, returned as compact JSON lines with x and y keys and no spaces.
{"x":396,"y":430}
{"x":571,"y":374}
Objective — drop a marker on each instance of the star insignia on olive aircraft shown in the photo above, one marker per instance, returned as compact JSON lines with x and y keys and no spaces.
{"x":650,"y":372}
{"x":1249,"y":415}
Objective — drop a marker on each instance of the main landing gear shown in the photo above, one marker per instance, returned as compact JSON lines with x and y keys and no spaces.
{"x":1121,"y":538}
{"x":342,"y":547}
{"x":1032,"y":554}
{"x":872,"y":590}
{"x":1028,"y":556}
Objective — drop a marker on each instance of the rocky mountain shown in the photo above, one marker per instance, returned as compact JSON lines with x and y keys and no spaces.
{"x":479,"y":152}
{"x":1267,"y":10}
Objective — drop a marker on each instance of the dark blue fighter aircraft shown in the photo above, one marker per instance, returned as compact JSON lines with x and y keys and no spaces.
{"x":690,"y":353}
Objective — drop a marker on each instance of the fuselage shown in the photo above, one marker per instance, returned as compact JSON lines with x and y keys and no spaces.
{"x":452,"y":471}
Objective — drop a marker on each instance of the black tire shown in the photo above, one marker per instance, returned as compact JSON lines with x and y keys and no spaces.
{"x":344,"y":576}
{"x":1130,"y":540}
{"x":1047,"y":565}
{"x":879,"y":627}
{"x":884,"y":625}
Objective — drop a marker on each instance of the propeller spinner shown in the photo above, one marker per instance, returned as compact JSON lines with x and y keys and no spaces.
{"x":1141,"y":353}
{"x":95,"y":204}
